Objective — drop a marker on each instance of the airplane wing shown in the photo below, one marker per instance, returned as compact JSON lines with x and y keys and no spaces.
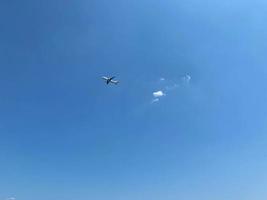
{"x":115,"y":82}
{"x":104,"y":77}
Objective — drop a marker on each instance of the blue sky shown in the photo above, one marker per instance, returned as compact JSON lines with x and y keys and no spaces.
{"x":64,"y":134}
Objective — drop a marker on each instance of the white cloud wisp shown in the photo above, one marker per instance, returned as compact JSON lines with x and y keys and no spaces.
{"x":187,"y":78}
{"x":158,"y":94}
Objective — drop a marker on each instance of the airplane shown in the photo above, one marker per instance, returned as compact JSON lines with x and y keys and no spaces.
{"x":110,"y":80}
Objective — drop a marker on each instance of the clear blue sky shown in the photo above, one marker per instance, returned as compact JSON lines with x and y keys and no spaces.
{"x":65,"y":135}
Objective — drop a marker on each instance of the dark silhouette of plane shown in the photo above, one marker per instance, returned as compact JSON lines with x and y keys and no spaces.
{"x":110,"y":80}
